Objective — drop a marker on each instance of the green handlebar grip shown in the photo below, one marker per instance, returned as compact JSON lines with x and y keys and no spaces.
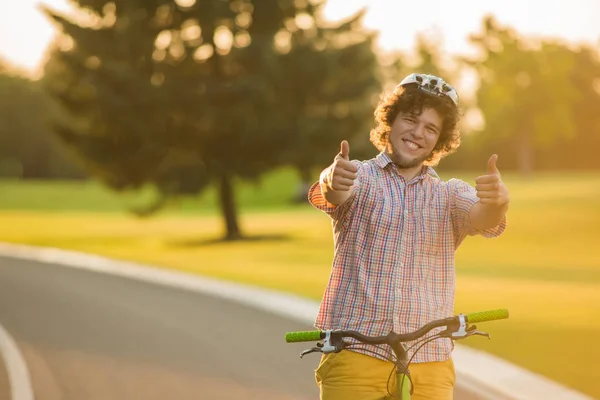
{"x":303,"y":336}
{"x":487,"y":315}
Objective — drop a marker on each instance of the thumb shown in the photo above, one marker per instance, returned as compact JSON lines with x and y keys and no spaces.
{"x":492,"y":168}
{"x":345,"y":150}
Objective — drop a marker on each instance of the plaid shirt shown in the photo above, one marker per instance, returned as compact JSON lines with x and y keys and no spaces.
{"x":394,"y":244}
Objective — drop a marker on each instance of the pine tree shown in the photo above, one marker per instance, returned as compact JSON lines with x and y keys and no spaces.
{"x":179,"y":96}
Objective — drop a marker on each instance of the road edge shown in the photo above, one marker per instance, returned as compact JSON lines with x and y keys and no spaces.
{"x":16,"y":368}
{"x":491,"y":377}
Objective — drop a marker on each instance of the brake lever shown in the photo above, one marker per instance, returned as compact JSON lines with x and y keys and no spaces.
{"x":330,"y":344}
{"x":311,"y":350}
{"x":473,"y":331}
{"x":464,"y":332}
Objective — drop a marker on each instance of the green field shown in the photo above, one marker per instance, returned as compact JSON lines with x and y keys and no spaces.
{"x":545,"y":268}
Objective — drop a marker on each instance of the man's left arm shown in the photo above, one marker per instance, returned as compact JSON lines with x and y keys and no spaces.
{"x":493,"y":195}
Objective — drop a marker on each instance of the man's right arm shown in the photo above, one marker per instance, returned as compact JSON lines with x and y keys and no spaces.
{"x":337,"y":180}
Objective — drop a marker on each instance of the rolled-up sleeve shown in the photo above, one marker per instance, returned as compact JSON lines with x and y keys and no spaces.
{"x":317,"y":200}
{"x":463,"y":198}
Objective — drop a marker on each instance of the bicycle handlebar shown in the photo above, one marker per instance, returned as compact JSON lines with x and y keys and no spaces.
{"x":304,"y":336}
{"x":484,"y":316}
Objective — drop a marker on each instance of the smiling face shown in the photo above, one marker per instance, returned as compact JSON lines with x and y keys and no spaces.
{"x":413,"y":137}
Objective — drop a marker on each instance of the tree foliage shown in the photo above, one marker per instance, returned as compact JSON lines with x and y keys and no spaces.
{"x":183,"y":96}
{"x":526,"y":91}
{"x":329,"y":81}
{"x":27,"y":147}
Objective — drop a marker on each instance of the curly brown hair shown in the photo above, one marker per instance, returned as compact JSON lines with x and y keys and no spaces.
{"x":409,"y":99}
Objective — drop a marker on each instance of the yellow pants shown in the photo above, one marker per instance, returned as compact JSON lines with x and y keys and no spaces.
{"x":349,"y":375}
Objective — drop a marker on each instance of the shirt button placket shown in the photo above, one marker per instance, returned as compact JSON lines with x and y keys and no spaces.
{"x":400,"y":270}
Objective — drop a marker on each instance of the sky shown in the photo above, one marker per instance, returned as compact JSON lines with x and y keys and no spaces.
{"x":25,"y":33}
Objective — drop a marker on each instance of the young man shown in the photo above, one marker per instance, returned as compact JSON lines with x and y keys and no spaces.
{"x":396,"y":227}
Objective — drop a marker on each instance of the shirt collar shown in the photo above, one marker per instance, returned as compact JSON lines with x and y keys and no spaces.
{"x":383,"y":160}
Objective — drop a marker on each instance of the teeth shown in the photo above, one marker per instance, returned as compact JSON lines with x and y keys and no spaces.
{"x":411,"y":145}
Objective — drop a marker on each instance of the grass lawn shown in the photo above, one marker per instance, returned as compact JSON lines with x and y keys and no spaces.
{"x":545,"y":268}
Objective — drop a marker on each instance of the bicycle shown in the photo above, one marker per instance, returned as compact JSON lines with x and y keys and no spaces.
{"x":457,"y":327}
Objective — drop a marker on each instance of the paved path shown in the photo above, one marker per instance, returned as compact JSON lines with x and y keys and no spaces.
{"x":92,"y":336}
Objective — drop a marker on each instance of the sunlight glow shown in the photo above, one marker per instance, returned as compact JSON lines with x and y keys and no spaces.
{"x":242,"y":39}
{"x":204,"y":52}
{"x":163,"y":40}
{"x":25,"y":32}
{"x":223,"y":39}
{"x":283,"y":41}
{"x":453,"y":21}
{"x":185,"y":3}
{"x":190,"y":30}
{"x":243,"y":20}
{"x":304,"y":21}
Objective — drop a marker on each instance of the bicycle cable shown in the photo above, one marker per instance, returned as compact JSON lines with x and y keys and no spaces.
{"x":391,"y":359}
{"x":417,"y":342}
{"x":429,"y":340}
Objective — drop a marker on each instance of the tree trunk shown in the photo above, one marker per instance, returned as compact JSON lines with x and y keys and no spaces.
{"x":228,"y":208}
{"x":526,"y":154}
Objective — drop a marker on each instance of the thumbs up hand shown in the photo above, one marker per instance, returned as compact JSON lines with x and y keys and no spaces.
{"x":342,"y":172}
{"x":490,"y":188}
{"x":344,"y":150}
